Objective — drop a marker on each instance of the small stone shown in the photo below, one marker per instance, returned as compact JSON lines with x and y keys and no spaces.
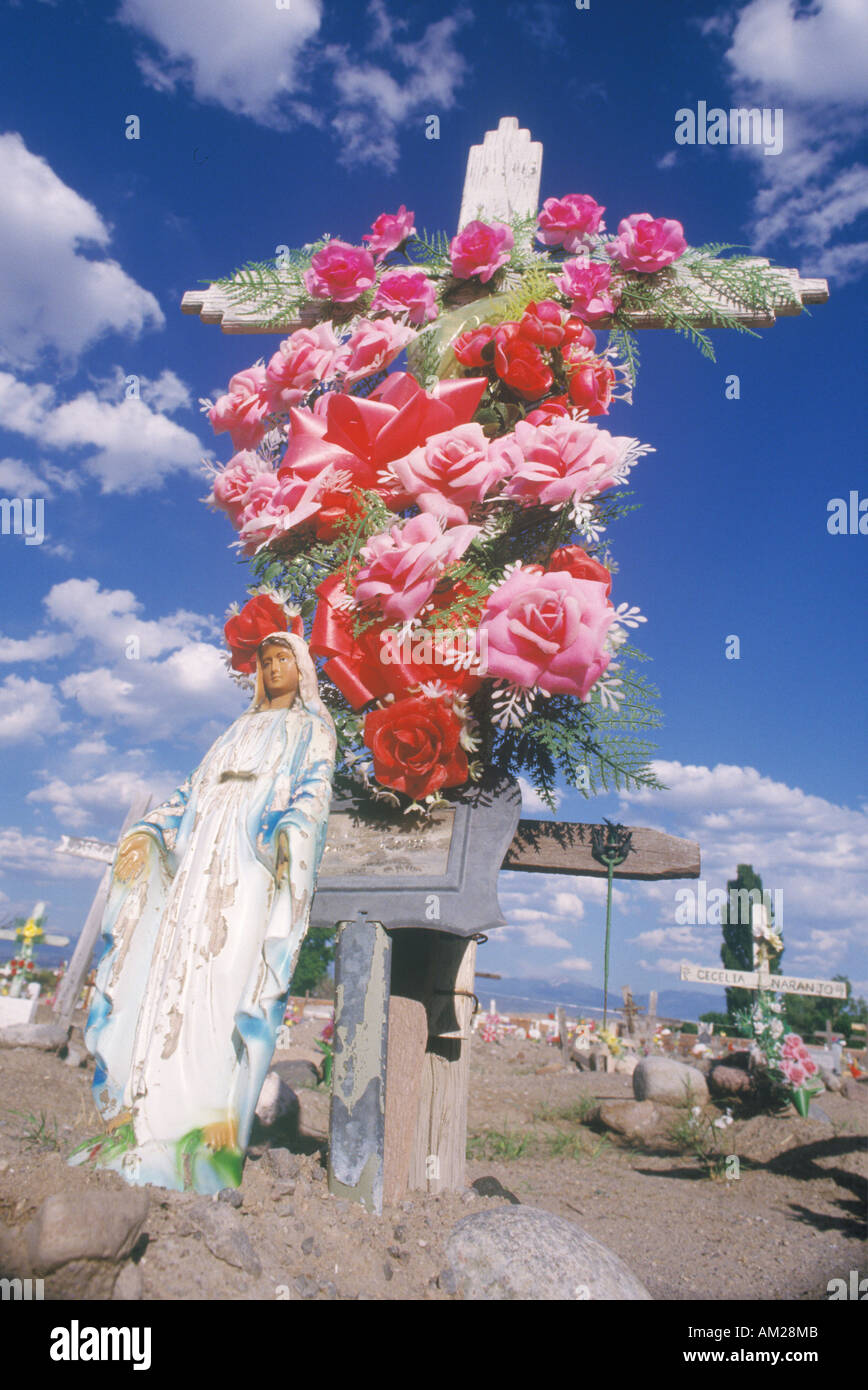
{"x":297,"y":1073}
{"x":400,"y":1232}
{"x":830,"y":1080}
{"x":282,"y":1163}
{"x":222,"y":1230}
{"x":231,"y":1196}
{"x":75,"y":1057}
{"x":388,"y":1271}
{"x":724,"y":1080}
{"x":853,"y":1089}
{"x":307,"y":1245}
{"x":318,"y":1174}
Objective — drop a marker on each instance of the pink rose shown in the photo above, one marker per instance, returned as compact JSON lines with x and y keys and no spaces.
{"x":481,"y":249}
{"x":340,"y":272}
{"x":450,"y":471}
{"x":304,"y":358}
{"x":405,"y":563}
{"x":795,"y":1073}
{"x":371,"y":348}
{"x":244,"y":407}
{"x":647,"y":243}
{"x":390,"y":231}
{"x":589,"y":285}
{"x":406,"y":291}
{"x":548,"y":631}
{"x":232,"y":483}
{"x":553,"y":463}
{"x":273,"y":509}
{"x":569,"y":221}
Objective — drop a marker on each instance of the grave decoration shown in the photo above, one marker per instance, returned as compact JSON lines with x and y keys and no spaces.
{"x":786,"y":1066}
{"x":28,"y":935}
{"x":442,"y":531}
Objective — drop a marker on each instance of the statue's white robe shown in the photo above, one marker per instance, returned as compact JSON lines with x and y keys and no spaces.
{"x":200,"y":950}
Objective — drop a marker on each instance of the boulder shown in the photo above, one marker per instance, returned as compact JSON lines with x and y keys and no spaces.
{"x":298,"y":1072}
{"x":853,"y":1089}
{"x":635,"y":1119}
{"x":830,"y":1079}
{"x":522,"y":1253}
{"x":668,"y":1082}
{"x":48,"y":1037}
{"x":626,"y":1065}
{"x":85,"y":1225}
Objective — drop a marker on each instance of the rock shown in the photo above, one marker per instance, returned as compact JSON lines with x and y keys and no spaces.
{"x":635,"y":1119}
{"x":668,"y":1082}
{"x":85,"y":1226}
{"x":725,"y":1080}
{"x":626,"y":1065}
{"x":277,"y":1104}
{"x":830,"y":1080}
{"x":282,"y":1163}
{"x":448,"y":1281}
{"x":297,"y":1073}
{"x":852,"y":1089}
{"x":548,"y":1067}
{"x":128,"y":1284}
{"x":75,"y":1057}
{"x":524,"y":1253}
{"x":225,"y":1236}
{"x":231,"y":1196}
{"x":14,"y":1260}
{"x":48,"y":1037}
{"x":314,"y":1114}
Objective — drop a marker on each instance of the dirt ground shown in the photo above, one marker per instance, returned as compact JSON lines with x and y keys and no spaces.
{"x":793,"y":1219}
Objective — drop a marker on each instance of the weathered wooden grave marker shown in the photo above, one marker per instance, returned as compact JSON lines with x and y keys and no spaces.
{"x":413,"y":1024}
{"x":88,"y":848}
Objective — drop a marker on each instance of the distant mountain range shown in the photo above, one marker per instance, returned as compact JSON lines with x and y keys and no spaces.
{"x":513,"y":995}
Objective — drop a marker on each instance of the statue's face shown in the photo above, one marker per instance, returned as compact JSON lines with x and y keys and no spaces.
{"x":279,"y":671}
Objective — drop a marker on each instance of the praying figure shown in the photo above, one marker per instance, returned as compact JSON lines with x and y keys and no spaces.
{"x":209,"y":902}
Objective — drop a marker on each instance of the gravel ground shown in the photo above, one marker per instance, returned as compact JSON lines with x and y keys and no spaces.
{"x":791,"y":1221}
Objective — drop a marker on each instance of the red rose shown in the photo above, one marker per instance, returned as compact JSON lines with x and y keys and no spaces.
{"x":591,"y":382}
{"x":575,"y":331}
{"x":521,"y":365}
{"x":415,"y":746}
{"x":468,"y":347}
{"x":259,"y":616}
{"x":552,"y":409}
{"x":580,"y":565}
{"x":543,"y":323}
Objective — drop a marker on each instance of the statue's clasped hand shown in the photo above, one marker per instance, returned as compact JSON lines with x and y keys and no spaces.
{"x":132,"y":857}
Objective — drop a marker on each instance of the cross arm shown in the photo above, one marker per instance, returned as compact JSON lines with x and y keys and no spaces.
{"x":564,"y":847}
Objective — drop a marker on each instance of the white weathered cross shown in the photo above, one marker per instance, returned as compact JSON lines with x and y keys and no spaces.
{"x":427,"y":1118}
{"x":87,"y":848}
{"x":761,"y":979}
{"x":503,"y":181}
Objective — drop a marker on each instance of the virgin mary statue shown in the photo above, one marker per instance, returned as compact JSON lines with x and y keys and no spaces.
{"x":209,"y":902}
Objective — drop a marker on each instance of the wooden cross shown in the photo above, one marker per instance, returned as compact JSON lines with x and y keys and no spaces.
{"x":503,"y":181}
{"x":761,"y":979}
{"x":419,"y":1130}
{"x":85,"y":848}
{"x":632,"y":1010}
{"x":828,"y":1035}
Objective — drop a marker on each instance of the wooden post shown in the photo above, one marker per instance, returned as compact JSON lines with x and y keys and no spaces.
{"x":72,"y":982}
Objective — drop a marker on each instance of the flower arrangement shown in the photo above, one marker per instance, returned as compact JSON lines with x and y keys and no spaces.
{"x":439,"y":533}
{"x":789,"y":1068}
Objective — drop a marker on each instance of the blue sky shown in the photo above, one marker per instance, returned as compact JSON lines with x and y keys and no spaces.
{"x":262,"y":126}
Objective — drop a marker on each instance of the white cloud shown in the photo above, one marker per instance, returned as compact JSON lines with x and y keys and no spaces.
{"x":819,"y":54}
{"x":76,"y":805}
{"x":532,"y":801}
{"x":664,"y":964}
{"x":18,"y":479}
{"x":533,"y":932}
{"x":687,"y":937}
{"x":810,"y":63}
{"x":189,"y":688}
{"x":55,"y":297}
{"x":29,"y":711}
{"x":42,"y":646}
{"x":574,"y":965}
{"x":130,"y":446}
{"x":276,"y":67}
{"x":37,"y":856}
{"x":108,"y":618}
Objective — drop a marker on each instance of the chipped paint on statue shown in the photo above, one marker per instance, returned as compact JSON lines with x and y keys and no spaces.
{"x":209,"y":903}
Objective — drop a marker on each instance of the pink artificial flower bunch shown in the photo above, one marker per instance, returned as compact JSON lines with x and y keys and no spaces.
{"x":796,"y":1063}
